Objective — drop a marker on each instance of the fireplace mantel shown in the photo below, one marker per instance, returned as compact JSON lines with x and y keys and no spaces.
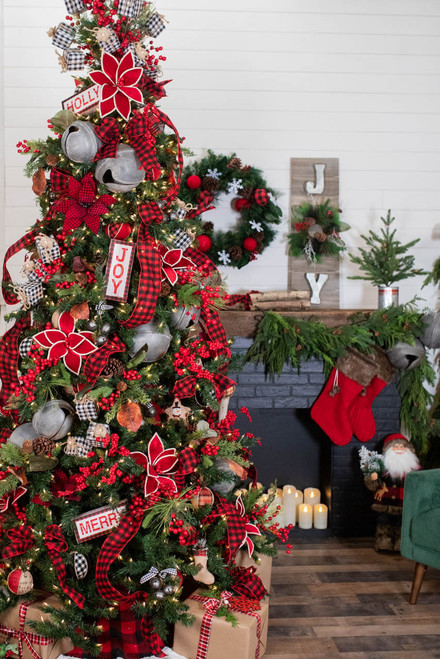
{"x":245,"y":323}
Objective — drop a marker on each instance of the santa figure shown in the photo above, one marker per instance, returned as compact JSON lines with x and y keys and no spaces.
{"x":397,"y":460}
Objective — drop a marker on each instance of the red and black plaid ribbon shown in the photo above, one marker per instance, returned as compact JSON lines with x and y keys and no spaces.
{"x":163,"y":118}
{"x":56,"y":544}
{"x":186,"y":387}
{"x":25,"y":638}
{"x":156,"y":89}
{"x":140,"y":133}
{"x":244,"y":299}
{"x":97,"y":361}
{"x":235,"y":524}
{"x":188,"y":461}
{"x":108,"y":133}
{"x":204,"y":203}
{"x":22,"y":243}
{"x":261,"y":197}
{"x":213,"y":327}
{"x":247,"y":583}
{"x":150,"y":263}
{"x":201,"y":260}
{"x":21,"y":539}
{"x":9,"y":354}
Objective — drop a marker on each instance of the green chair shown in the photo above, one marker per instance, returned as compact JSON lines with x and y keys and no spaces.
{"x":420,"y":540}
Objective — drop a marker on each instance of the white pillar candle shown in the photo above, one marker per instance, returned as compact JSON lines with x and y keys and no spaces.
{"x":298,"y":500}
{"x":312,"y":495}
{"x":305,"y":515}
{"x":289,"y":504}
{"x":320,"y":516}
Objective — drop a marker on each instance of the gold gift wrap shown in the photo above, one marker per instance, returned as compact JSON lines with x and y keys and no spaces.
{"x":35,"y":611}
{"x":263,"y":568}
{"x":226,"y":641}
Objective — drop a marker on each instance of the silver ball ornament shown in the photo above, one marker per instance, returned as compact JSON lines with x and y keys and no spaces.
{"x":79,"y":142}
{"x":155,"y":583}
{"x":101,"y":339}
{"x":92,"y":325}
{"x":168,"y":589}
{"x":106,"y":328}
{"x":159,"y":594}
{"x":123,"y":173}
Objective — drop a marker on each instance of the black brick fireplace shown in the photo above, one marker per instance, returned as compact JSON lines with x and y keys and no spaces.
{"x":296,"y":451}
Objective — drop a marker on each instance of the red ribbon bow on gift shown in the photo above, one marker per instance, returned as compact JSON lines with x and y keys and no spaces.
{"x":212,"y":604}
{"x":78,"y":202}
{"x":10,"y":498}
{"x":21,"y":539}
{"x":56,"y":544}
{"x":27,"y":638}
{"x":66,"y":343}
{"x":157,"y":463}
{"x":117,"y":81}
{"x":140,"y":131}
{"x":172,"y":260}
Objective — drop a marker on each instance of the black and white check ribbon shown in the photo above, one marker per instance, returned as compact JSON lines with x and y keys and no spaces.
{"x":154,"y":572}
{"x":63,"y":36}
{"x":155,"y":25}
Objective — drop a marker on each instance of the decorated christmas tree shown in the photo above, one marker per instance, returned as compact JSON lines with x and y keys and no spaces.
{"x":119,"y":459}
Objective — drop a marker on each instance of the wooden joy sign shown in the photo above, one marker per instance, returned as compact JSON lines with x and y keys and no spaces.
{"x":119,"y":267}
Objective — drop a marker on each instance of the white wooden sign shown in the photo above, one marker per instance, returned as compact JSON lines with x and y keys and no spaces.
{"x":83,"y":101}
{"x":119,"y":267}
{"x":97,"y":522}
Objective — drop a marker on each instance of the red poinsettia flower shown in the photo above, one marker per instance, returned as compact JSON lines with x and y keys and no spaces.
{"x":81,"y":205}
{"x":157,"y":463}
{"x":250,"y":529}
{"x":66,"y":343}
{"x":117,"y":80}
{"x":172,"y":260}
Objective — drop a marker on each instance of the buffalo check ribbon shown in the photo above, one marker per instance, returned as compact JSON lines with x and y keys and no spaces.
{"x":97,"y":361}
{"x":211,"y":606}
{"x":9,"y":354}
{"x":25,"y":638}
{"x":22,"y":243}
{"x":140,"y":132}
{"x":56,"y":545}
{"x":248,"y":583}
{"x":236,"y":525}
{"x":163,"y":118}
{"x":204,"y":203}
{"x":186,"y":387}
{"x":188,"y":461}
{"x":21,"y":539}
{"x":108,"y":133}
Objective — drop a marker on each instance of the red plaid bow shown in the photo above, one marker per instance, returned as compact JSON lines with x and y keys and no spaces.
{"x":108,"y":132}
{"x":188,"y":461}
{"x":172,"y":260}
{"x":149,"y":213}
{"x":10,"y":498}
{"x":157,"y":463}
{"x":235,"y":524}
{"x":140,"y":133}
{"x":79,"y":202}
{"x":97,"y":361}
{"x":21,"y":539}
{"x":56,"y":544}
{"x":186,"y":387}
{"x":204,"y":203}
{"x":247,"y":583}
{"x":25,"y":638}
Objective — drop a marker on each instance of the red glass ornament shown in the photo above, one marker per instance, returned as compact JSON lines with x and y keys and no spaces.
{"x":240,"y":204}
{"x":204,"y":243}
{"x":120,"y":231}
{"x":193,"y":181}
{"x":250,"y":244}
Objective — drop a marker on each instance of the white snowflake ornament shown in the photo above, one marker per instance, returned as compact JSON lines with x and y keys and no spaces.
{"x":256,"y":226}
{"x":235,"y":185}
{"x":224,"y":257}
{"x":214,"y":173}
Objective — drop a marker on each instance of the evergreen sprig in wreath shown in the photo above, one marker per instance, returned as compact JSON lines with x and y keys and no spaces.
{"x":204,"y":181}
{"x":317,"y":229}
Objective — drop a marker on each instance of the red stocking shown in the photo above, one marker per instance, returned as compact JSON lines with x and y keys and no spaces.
{"x":330,"y":410}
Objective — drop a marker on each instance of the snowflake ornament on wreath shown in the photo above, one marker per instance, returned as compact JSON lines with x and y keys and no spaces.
{"x":202,"y":183}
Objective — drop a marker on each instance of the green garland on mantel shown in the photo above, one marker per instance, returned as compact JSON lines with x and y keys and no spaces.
{"x":280,"y":340}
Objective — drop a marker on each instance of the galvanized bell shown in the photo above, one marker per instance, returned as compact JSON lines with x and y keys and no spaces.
{"x":405,"y":356}
{"x":79,"y":142}
{"x":22,"y":433}
{"x":154,"y":339}
{"x":430,"y":336}
{"x":182,"y":317}
{"x":53,"y":420}
{"x":123,"y":173}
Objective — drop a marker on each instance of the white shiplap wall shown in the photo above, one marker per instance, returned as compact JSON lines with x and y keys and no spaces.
{"x":355,"y":80}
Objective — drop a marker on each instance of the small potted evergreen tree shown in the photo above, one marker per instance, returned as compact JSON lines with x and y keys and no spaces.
{"x":385,"y":261}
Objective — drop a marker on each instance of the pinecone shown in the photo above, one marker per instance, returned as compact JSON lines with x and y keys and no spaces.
{"x":246,"y":193}
{"x":42,"y":445}
{"x":234,"y":163}
{"x":208,"y":227}
{"x":121,"y":386}
{"x":258,"y":235}
{"x":235,"y":252}
{"x":210,"y":183}
{"x":320,"y":237}
{"x":113,"y":369}
{"x":52,"y":160}
{"x":165,"y":289}
{"x":27,"y":446}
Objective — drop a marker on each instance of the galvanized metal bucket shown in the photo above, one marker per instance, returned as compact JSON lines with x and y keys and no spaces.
{"x":388,"y":296}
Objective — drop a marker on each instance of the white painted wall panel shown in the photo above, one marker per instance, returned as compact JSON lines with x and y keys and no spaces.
{"x":301,"y":78}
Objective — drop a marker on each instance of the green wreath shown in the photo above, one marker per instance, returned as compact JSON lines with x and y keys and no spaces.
{"x":202,"y":183}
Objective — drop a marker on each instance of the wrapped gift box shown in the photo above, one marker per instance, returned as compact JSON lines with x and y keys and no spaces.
{"x":239,"y":642}
{"x":263,"y":568}
{"x":14,"y":624}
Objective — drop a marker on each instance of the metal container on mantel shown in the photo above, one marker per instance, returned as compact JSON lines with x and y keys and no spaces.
{"x":388,"y":296}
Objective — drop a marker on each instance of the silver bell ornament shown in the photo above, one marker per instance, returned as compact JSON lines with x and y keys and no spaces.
{"x":92,"y":325}
{"x":405,"y":356}
{"x":224,"y":487}
{"x":152,"y":338}
{"x":101,"y":339}
{"x":182,"y":317}
{"x":21,"y":433}
{"x":155,"y":583}
{"x":120,"y":174}
{"x":79,"y":142}
{"x":106,"y":328}
{"x":430,"y":336}
{"x":159,"y":594}
{"x":53,"y":420}
{"x":168,"y":589}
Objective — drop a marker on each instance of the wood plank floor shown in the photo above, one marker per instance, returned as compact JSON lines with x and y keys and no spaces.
{"x":337,"y":597}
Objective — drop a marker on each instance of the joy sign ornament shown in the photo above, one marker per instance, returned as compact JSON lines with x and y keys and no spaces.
{"x":118,"y":273}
